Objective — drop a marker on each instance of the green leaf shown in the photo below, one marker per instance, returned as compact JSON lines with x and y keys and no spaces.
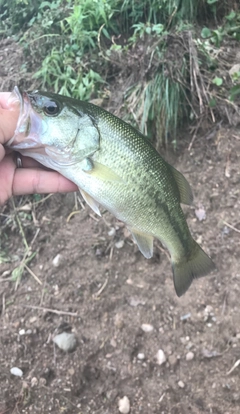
{"x":231,"y":15}
{"x":217,"y":81}
{"x":234,"y":92}
{"x":206,"y":32}
{"x":212,"y":102}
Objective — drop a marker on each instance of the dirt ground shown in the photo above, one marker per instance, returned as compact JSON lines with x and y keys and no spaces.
{"x":105,"y":290}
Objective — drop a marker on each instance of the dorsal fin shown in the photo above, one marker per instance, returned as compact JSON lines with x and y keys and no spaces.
{"x":186,"y":195}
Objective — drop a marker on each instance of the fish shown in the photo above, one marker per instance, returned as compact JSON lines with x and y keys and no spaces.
{"x":115,"y":166}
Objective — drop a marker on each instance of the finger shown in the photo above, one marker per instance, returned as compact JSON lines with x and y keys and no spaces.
{"x":2,"y":152}
{"x":8,"y":123}
{"x":7,"y":170}
{"x":4,"y":99}
{"x":37,"y":181}
{"x":28,"y":162}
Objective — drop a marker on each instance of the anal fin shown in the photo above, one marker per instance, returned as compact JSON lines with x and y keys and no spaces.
{"x":144,"y":242}
{"x":91,"y":202}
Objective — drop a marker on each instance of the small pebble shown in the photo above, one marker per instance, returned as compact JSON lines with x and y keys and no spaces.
{"x":173,"y":360}
{"x":135,"y":302}
{"x":113,"y":342}
{"x":185,"y":317}
{"x":34,"y":381}
{"x":119,"y":244}
{"x":141,"y":356}
{"x":112,"y":231}
{"x":71,"y":371}
{"x":146,"y":327}
{"x":181,"y":384}
{"x":33,"y":319}
{"x":189,"y":356}
{"x":22,"y":332}
{"x":124,"y":405}
{"x":66,"y":341}
{"x":57,"y":260}
{"x":160,"y":357}
{"x":16,"y":371}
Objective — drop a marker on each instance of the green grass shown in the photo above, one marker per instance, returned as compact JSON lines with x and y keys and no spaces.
{"x":71,"y":45}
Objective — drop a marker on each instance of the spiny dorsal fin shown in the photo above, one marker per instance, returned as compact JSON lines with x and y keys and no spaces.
{"x":144,"y":242}
{"x":91,"y":202}
{"x":186,"y":195}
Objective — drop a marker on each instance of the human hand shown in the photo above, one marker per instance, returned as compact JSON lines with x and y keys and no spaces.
{"x":33,"y":177}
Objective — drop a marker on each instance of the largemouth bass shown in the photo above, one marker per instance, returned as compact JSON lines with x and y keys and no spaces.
{"x":115,"y":166}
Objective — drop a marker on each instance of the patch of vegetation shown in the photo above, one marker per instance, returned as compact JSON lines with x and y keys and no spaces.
{"x":172,"y":68}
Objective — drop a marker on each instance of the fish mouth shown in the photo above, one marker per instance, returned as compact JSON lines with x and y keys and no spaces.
{"x":32,"y":132}
{"x":29,"y":124}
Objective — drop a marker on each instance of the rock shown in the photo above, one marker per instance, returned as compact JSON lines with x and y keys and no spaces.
{"x":173,"y":360}
{"x":119,"y":244}
{"x":141,"y":356}
{"x":21,"y":332}
{"x":185,"y":317}
{"x":181,"y":384}
{"x":57,"y":260}
{"x":234,"y":69}
{"x":160,"y":357}
{"x":119,"y":321}
{"x":124,"y":405}
{"x":135,"y":301}
{"x":34,"y":382}
{"x":113,"y":343}
{"x":33,"y":319}
{"x":66,"y":341}
{"x":112,"y":232}
{"x":200,"y":213}
{"x":189,"y":356}
{"x":146,"y":327}
{"x":16,"y":371}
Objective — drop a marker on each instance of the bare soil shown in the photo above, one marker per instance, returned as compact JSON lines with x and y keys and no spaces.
{"x":105,"y":293}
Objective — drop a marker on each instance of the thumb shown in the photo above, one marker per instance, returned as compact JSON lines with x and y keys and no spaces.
{"x":2,"y":152}
{"x":8,"y":119}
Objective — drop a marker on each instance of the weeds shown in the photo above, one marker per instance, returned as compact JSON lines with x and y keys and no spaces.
{"x":17,"y":218}
{"x":169,"y":78}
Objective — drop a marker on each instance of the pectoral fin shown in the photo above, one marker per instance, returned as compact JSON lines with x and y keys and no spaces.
{"x":185,"y":192}
{"x":102,"y":172}
{"x":144,"y":242}
{"x":91,"y":202}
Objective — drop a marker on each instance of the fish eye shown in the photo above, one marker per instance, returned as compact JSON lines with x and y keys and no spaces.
{"x":51,"y":108}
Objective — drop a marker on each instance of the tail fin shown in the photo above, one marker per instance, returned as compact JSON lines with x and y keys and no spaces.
{"x":197,"y":265}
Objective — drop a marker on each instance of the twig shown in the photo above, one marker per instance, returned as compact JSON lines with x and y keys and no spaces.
{"x":231,"y":227}
{"x":57,"y":312}
{"x":43,"y":199}
{"x":194,"y":136}
{"x":3,"y":304}
{"x":234,"y":366}
{"x":93,"y":217}
{"x":98,"y":293}
{"x":72,"y":214}
{"x":32,"y":274}
{"x":20,"y":225}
